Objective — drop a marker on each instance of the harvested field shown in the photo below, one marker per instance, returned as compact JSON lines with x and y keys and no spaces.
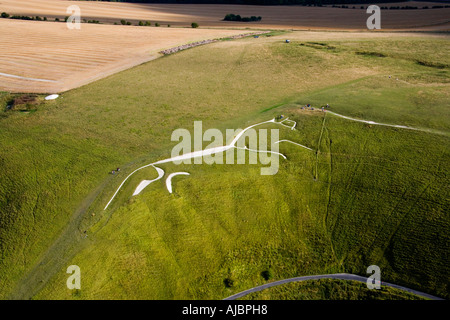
{"x":33,"y":51}
{"x":277,"y":17}
{"x":47,"y":57}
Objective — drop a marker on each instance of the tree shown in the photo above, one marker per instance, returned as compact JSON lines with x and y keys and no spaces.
{"x":5,"y":15}
{"x":194,"y":25}
{"x":267,"y":274}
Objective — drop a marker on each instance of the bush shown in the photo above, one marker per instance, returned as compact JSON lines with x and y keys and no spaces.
{"x":230,"y":17}
{"x":229,"y":282}
{"x":123,"y":22}
{"x":168,"y":26}
{"x":141,"y":23}
{"x":156,"y":24}
{"x":267,"y":274}
{"x":5,"y":15}
{"x":148,"y":23}
{"x":194,"y":25}
{"x":22,"y":17}
{"x":57,"y":19}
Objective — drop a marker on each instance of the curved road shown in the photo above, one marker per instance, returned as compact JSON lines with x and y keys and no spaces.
{"x":339,"y":276}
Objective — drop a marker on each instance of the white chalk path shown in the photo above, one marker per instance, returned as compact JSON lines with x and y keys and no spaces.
{"x":145,"y":183}
{"x":433,"y":131}
{"x":262,"y":151}
{"x":169,"y":179}
{"x":375,"y":123}
{"x":24,"y":78}
{"x":189,"y":155}
{"x":298,"y":144}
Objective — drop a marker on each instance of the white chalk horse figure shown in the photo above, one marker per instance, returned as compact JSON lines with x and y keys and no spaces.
{"x":144,"y":183}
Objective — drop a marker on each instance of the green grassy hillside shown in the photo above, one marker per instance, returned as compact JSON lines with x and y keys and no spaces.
{"x":371,"y":195}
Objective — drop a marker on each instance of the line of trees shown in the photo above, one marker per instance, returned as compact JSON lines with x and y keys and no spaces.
{"x":7,"y":16}
{"x":236,"y":17}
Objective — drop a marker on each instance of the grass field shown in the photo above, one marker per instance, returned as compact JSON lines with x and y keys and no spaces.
{"x":273,"y":17}
{"x":371,"y":195}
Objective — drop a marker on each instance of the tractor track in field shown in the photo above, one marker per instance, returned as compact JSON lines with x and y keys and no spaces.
{"x":63,"y":248}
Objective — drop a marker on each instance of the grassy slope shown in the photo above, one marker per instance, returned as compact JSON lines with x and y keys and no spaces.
{"x":154,"y":249}
{"x":327,"y":289}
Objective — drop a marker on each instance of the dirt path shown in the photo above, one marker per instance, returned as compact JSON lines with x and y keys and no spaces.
{"x":388,"y":125}
{"x":62,"y":250}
